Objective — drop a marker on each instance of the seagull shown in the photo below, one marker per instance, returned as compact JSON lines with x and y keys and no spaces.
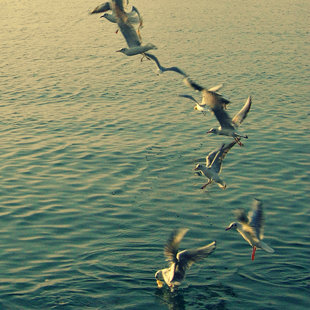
{"x":134,"y":16}
{"x":213,"y":166}
{"x":251,"y":227}
{"x":162,"y":69}
{"x":131,"y":36}
{"x":228,"y":126}
{"x":202,"y":106}
{"x":209,"y":96}
{"x":180,"y":261}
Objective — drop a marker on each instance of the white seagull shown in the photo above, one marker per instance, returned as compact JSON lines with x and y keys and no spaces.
{"x":162,"y":69}
{"x":180,"y":261}
{"x":251,"y":227}
{"x":131,"y":36}
{"x":202,"y":106}
{"x":213,"y":166}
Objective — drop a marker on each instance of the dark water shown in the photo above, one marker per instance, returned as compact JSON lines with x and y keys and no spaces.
{"x":97,"y":155}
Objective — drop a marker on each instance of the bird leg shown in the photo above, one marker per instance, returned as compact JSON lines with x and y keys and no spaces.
{"x":253,"y":252}
{"x":204,"y":186}
{"x":145,"y":56}
{"x":237,"y":139}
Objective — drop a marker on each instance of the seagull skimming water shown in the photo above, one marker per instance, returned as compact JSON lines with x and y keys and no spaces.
{"x":180,"y":261}
{"x":251,"y":227}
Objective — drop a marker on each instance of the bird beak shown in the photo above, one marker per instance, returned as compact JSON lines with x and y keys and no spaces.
{"x":118,"y":51}
{"x":227,"y":228}
{"x":209,"y":131}
{"x":159,"y":283}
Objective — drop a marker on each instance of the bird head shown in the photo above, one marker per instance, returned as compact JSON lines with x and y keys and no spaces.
{"x":123,"y":50}
{"x":233,"y":226}
{"x":212,"y":130}
{"x":104,"y":15}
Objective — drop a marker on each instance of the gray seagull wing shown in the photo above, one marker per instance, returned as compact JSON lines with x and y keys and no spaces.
{"x":242,"y":114}
{"x":187,"y":257}
{"x":106,"y":6}
{"x":256,"y":217}
{"x":241,"y":216}
{"x":172,"y":245}
{"x":222,"y":152}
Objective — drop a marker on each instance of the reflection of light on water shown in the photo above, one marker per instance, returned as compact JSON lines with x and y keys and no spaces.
{"x":173,"y":300}
{"x":205,"y":296}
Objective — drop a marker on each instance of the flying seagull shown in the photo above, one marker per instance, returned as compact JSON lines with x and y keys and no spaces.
{"x":213,"y":166}
{"x":210,"y":97}
{"x":202,"y":106}
{"x":180,"y":261}
{"x":162,"y":69}
{"x":228,"y":126}
{"x":131,"y":36}
{"x":134,"y":16}
{"x":251,"y":227}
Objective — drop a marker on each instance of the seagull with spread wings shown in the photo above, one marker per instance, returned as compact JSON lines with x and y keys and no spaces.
{"x":251,"y":227}
{"x":202,"y":106}
{"x":180,"y":261}
{"x":213,"y":166}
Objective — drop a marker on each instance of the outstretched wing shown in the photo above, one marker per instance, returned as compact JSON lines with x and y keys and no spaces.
{"x":256,"y":219}
{"x":187,"y":257}
{"x":222,"y":152}
{"x":172,"y":245}
{"x":222,"y":116}
{"x":187,"y":81}
{"x":189,"y":97}
{"x":241,"y":216}
{"x":101,"y":8}
{"x":242,"y":114}
{"x":215,"y":88}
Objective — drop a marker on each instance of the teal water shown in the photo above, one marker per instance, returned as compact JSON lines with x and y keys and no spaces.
{"x":97,"y":155}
